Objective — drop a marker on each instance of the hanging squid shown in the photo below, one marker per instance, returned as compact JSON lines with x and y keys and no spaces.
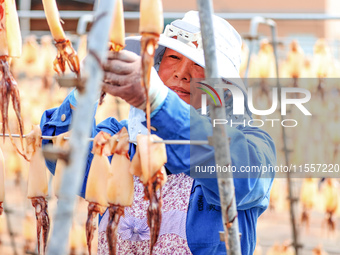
{"x":120,"y":188}
{"x":60,"y":143}
{"x":75,"y":238}
{"x":295,"y":60}
{"x":10,"y":47}
{"x":330,"y":198}
{"x":308,"y":197}
{"x":28,"y":233}
{"x":322,"y":58}
{"x":150,"y":27}
{"x":265,"y":63}
{"x":66,"y":53}
{"x":319,"y":251}
{"x":2,"y":181}
{"x":37,"y":189}
{"x":153,"y":175}
{"x":117,"y":34}
{"x":97,"y":183}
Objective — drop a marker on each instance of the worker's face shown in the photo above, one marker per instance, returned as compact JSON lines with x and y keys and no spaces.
{"x":176,"y":71}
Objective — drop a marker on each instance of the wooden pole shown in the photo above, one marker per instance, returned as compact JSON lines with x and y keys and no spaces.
{"x":81,"y":128}
{"x":220,"y":136}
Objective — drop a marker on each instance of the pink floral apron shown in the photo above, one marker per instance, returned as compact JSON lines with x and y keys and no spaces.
{"x":133,"y":231}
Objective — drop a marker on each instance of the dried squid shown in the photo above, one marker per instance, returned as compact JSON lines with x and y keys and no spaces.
{"x":150,"y":27}
{"x":66,"y":53}
{"x":10,"y":47}
{"x":308,"y":199}
{"x":37,"y":189}
{"x":60,"y":143}
{"x":2,"y":181}
{"x":322,"y":58}
{"x":153,"y":175}
{"x":120,"y":187}
{"x":331,"y":200}
{"x":96,"y":183}
{"x":117,"y":34}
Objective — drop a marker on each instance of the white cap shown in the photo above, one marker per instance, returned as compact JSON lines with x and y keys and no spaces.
{"x":227,"y":39}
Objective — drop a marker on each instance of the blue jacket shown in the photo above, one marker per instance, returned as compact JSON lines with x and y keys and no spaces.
{"x":249,"y":146}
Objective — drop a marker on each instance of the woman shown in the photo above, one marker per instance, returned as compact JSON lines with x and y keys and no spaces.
{"x":191,"y":215}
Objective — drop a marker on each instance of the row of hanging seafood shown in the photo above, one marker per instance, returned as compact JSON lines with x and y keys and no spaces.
{"x":107,"y":192}
{"x":114,"y":188}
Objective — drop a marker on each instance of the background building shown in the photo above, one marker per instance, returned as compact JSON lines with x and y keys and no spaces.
{"x":305,"y":31}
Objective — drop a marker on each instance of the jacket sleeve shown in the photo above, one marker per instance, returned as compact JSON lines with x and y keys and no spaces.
{"x":55,"y":122}
{"x":249,"y":146}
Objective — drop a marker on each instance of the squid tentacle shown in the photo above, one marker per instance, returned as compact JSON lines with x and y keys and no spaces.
{"x":9,"y":90}
{"x":115,"y":212}
{"x":154,"y":213}
{"x":5,"y":95}
{"x":93,"y":210}
{"x":15,"y":95}
{"x":330,"y":221}
{"x":66,"y":54}
{"x":43,"y":220}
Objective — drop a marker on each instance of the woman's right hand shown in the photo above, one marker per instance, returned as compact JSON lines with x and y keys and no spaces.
{"x":122,"y":77}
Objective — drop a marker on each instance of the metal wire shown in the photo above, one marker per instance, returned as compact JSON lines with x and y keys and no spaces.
{"x":36,"y":14}
{"x":179,"y":142}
